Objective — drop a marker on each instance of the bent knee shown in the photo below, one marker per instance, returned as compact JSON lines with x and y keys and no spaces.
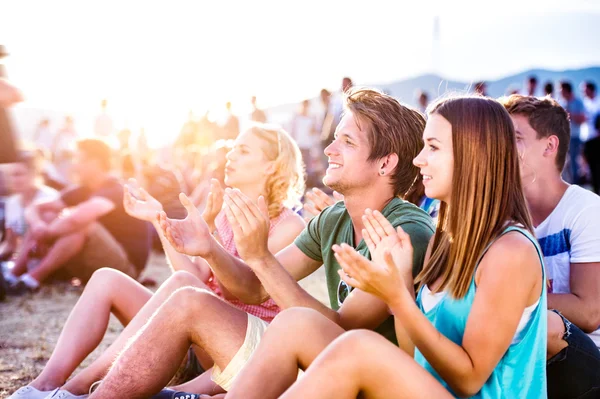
{"x":183,"y":278}
{"x":300,"y":317}
{"x":357,"y":339}
{"x":107,"y":277}
{"x":191,"y":299}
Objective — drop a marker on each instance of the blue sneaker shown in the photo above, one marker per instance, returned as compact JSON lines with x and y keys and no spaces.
{"x":172,"y":394}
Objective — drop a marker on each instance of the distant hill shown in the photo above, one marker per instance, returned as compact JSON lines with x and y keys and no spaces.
{"x":404,"y":90}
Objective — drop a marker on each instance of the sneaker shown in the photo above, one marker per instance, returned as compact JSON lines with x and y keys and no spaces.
{"x":172,"y":394}
{"x":62,"y":394}
{"x":28,"y":392}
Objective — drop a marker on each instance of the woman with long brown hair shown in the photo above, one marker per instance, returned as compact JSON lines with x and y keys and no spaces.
{"x":478,"y":326}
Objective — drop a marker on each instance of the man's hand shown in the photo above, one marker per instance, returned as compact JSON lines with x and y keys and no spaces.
{"x":316,"y":200}
{"x":138,"y":203}
{"x":214,"y":203}
{"x":250,"y":224}
{"x":380,"y":236}
{"x":189,"y":236}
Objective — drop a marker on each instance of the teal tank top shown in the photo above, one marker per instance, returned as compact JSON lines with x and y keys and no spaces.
{"x":521,"y":372}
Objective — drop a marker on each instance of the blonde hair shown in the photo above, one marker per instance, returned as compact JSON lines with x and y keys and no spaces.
{"x":486,"y":191}
{"x":285,"y":185}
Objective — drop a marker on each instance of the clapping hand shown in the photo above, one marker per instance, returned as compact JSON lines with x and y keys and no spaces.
{"x":214,"y":203}
{"x":316,"y":200}
{"x":138,"y":203}
{"x":387,"y":275}
{"x":250,"y":224}
{"x":189,"y":236}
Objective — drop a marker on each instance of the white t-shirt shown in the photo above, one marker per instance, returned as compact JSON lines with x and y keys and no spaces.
{"x":15,"y":213}
{"x":592,"y":111}
{"x":570,"y":234}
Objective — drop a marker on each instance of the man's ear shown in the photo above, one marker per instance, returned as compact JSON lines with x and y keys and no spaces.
{"x":552,"y":144}
{"x":389,"y":163}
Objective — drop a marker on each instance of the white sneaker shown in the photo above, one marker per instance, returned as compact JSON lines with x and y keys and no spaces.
{"x":62,"y":394}
{"x":28,"y":392}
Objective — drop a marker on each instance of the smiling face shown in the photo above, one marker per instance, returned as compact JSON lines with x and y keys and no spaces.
{"x":246,"y":162}
{"x":436,"y":160}
{"x":348,"y":155}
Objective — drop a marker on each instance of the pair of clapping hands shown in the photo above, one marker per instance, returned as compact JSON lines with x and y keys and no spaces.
{"x":391,"y":251}
{"x":192,"y":236}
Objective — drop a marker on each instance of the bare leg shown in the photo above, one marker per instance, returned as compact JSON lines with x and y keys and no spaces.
{"x":107,"y":291}
{"x":292,"y":341}
{"x":200,"y":384}
{"x":62,"y":250}
{"x":189,"y":316}
{"x":81,"y":383}
{"x":20,"y":266}
{"x":363,"y":362}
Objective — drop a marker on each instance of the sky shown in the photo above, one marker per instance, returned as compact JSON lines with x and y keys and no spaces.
{"x":154,"y":60}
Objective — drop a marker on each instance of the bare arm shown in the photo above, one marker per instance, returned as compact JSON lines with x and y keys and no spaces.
{"x":34,"y":211}
{"x":80,"y":216}
{"x":581,"y":306}
{"x":504,"y":288}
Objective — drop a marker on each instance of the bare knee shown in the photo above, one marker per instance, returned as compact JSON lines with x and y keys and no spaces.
{"x":76,"y":239}
{"x":299,"y":319}
{"x":188,"y":301}
{"x":181,"y":279}
{"x":107,"y":279}
{"x":359,"y":343}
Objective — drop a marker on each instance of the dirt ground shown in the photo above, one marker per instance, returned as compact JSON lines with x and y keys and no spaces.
{"x":30,"y":325}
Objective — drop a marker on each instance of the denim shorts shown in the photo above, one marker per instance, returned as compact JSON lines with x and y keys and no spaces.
{"x":574,"y":372}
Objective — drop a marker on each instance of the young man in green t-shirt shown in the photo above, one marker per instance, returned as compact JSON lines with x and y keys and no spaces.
{"x":370,"y":163}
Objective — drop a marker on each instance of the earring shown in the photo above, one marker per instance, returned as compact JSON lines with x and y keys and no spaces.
{"x":381,"y":172}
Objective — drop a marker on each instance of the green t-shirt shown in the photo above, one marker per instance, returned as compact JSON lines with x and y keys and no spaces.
{"x":334,"y":226}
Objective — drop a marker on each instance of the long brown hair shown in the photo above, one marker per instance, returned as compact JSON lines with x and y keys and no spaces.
{"x":486,"y":191}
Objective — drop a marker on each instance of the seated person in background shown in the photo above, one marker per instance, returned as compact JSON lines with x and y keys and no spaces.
{"x":26,"y":188}
{"x":93,"y":231}
{"x":567,"y":225}
{"x":263,"y":162}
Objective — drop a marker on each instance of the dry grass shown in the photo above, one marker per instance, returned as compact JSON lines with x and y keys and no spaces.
{"x":30,"y":325}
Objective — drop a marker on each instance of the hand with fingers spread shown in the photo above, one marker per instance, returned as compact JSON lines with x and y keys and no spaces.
{"x":214,"y":204}
{"x":390,"y":270}
{"x":382,"y":280}
{"x":250,"y":224}
{"x":138,"y":203}
{"x":189,"y":236}
{"x":380,"y":236}
{"x":317,"y":200}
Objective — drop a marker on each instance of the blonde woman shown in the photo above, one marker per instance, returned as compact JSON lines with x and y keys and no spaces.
{"x":265,"y":162}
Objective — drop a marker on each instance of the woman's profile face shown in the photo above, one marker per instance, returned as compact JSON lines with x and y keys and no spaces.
{"x":436,"y":160}
{"x":246,"y":163}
